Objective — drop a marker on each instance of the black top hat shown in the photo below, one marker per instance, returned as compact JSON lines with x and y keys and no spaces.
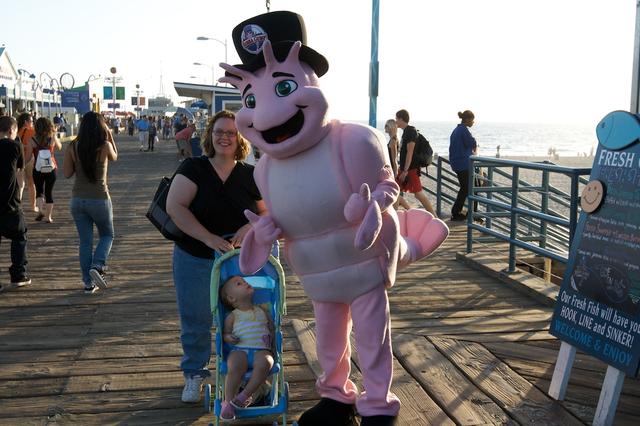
{"x":282,"y":29}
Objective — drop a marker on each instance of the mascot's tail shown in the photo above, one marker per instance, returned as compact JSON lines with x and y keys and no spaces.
{"x":422,"y":233}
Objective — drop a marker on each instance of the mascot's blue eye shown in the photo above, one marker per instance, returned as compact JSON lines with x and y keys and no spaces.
{"x":286,"y":87}
{"x":250,"y":101}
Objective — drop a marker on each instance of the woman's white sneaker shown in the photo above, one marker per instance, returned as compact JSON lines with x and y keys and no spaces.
{"x":98,"y":277}
{"x":192,"y":389}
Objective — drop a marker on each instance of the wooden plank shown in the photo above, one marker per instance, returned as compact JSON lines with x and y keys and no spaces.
{"x":519,"y":398}
{"x":113,"y":382}
{"x":461,"y":400}
{"x":417,"y":407}
{"x":191,"y":415}
{"x":584,"y":378}
{"x":588,"y":397}
{"x":34,"y":370}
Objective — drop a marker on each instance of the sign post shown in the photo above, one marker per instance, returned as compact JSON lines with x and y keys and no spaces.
{"x":598,"y":306}
{"x":113,"y":71}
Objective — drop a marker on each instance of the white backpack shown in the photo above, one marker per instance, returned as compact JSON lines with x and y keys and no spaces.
{"x":44,"y":162}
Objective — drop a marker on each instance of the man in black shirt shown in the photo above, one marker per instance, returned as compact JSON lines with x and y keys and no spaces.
{"x":12,"y":225}
{"x":409,"y":171}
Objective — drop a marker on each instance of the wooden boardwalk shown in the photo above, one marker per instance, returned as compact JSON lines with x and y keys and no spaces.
{"x":468,"y":349}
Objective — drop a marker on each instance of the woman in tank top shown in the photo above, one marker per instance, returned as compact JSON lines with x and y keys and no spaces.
{"x":87,"y":157}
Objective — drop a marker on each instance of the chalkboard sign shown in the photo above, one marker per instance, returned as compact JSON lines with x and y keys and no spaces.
{"x":598,"y":306}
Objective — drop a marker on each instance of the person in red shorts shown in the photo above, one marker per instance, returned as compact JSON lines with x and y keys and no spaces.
{"x":409,"y":173}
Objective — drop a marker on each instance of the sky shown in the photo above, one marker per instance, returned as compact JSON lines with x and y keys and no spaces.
{"x":511,"y":61}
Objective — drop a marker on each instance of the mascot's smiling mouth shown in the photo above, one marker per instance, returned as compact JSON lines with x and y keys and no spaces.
{"x":284,"y":131}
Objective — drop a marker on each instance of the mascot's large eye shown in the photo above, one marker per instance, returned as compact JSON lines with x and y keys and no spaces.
{"x":250,"y":101}
{"x":286,"y":87}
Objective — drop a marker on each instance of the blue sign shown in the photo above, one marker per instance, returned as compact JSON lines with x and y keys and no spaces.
{"x":78,"y":99}
{"x":112,"y":105}
{"x":3,"y":91}
{"x":598,"y":306}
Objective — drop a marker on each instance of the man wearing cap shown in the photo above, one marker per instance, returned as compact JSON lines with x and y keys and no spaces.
{"x":330,"y":191}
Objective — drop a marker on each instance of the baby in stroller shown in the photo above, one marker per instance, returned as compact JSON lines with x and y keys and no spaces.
{"x":248,"y":312}
{"x":250,"y":332}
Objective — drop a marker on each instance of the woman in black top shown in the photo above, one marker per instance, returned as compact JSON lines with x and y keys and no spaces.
{"x":206,"y":201}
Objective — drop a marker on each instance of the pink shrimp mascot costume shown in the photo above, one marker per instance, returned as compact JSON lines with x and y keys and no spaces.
{"x":329,"y":191}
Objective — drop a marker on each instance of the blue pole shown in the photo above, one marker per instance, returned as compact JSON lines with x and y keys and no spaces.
{"x":513,"y":235}
{"x":373,"y":65}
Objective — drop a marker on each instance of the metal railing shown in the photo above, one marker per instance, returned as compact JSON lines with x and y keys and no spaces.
{"x":539,"y":217}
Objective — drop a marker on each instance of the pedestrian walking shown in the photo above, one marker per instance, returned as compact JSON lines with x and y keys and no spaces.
{"x":87,"y":158}
{"x":12,"y":224}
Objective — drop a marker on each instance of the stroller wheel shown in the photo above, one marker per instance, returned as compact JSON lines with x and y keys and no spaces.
{"x":207,"y":398}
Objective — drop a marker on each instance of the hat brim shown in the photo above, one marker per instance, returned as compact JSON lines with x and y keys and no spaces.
{"x":316,"y":61}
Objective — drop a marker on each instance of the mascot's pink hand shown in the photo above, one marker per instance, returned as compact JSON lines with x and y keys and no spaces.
{"x":357,"y":205}
{"x":362,"y":208}
{"x":256,"y":245}
{"x":264,"y":228}
{"x":369,"y":228}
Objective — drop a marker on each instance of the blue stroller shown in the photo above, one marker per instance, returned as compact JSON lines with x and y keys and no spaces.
{"x":269,"y":285}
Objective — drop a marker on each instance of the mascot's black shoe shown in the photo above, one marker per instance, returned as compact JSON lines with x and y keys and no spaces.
{"x":378,"y":421}
{"x":329,"y":412}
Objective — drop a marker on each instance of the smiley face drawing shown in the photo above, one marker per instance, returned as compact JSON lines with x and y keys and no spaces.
{"x":592,"y":196}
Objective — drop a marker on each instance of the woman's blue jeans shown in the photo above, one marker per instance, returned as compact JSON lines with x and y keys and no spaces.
{"x":86,"y":212}
{"x":192,"y":276}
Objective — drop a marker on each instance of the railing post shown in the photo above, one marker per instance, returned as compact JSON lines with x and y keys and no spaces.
{"x":573,"y":218}
{"x":439,"y":188}
{"x":471,"y":192}
{"x":544,"y":207}
{"x":514,"y":219}
{"x":489,"y":182}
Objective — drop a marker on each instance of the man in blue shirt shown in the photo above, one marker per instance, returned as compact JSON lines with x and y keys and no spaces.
{"x":461,"y":146}
{"x":143,"y":131}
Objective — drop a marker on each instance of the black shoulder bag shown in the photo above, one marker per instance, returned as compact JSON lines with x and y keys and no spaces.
{"x":157,"y":212}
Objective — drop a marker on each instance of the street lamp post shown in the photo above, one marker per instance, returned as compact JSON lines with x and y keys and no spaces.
{"x":43,"y":85}
{"x":22,"y":72}
{"x":213,"y":77}
{"x":113,"y":71}
{"x":56,"y":92}
{"x":138,"y":109}
{"x":52,"y":93}
{"x":224,"y":43}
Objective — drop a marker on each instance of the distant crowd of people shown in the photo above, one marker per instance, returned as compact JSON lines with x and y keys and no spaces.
{"x":151,"y":129}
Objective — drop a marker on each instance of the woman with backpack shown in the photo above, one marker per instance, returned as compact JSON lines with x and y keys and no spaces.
{"x":42,"y":147}
{"x":87,"y":158}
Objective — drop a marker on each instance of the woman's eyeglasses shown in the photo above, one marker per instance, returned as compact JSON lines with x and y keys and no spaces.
{"x":220,"y":133}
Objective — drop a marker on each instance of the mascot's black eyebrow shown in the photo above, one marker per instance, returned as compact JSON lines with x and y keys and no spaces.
{"x":281,"y":74}
{"x":245,"y":89}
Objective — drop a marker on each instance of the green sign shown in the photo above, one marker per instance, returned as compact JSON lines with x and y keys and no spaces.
{"x":107,"y":92}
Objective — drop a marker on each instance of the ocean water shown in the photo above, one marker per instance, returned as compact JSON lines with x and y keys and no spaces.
{"x":515,"y":139}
